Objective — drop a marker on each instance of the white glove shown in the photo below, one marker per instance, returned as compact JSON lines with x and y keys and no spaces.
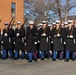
{"x":58,"y":35}
{"x":51,"y":41}
{"x":17,"y":34}
{"x":35,"y":43}
{"x":13,"y":42}
{"x":68,"y":36}
{"x":43,"y":34}
{"x":25,"y":52}
{"x":71,"y":36}
{"x":38,"y":41}
{"x":25,"y":44}
{"x":50,"y":52}
{"x":5,"y":34}
{"x":49,"y":36}
{"x":2,"y":42}
{"x":54,"y":35}
{"x":64,"y":43}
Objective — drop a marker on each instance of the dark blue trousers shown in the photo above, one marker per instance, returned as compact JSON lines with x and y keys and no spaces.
{"x":30,"y":55}
{"x":68,"y":54}
{"x":54,"y":54}
{"x":73,"y":55}
{"x":42,"y":55}
{"x":5,"y":52}
{"x":23,"y":54}
{"x":16,"y":54}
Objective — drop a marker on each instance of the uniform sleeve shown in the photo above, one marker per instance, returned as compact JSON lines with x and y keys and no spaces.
{"x":48,"y":32}
{"x":22,"y":32}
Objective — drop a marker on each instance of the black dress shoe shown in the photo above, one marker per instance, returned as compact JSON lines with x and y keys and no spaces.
{"x":3,"y":58}
{"x":53,"y":59}
{"x":11,"y":57}
{"x":42,"y":58}
{"x":48,"y":58}
{"x":73,"y":59}
{"x":60,"y":59}
{"x":15,"y":58}
{"x":23,"y":58}
{"x":35,"y":60}
{"x":30,"y":61}
{"x":66,"y":60}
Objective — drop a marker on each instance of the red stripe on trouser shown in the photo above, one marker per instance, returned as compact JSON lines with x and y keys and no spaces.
{"x":35,"y":54}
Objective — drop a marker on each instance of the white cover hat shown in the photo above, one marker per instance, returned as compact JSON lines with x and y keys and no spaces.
{"x":18,"y":22}
{"x":54,"y":23}
{"x":6,"y":23}
{"x":40,"y":24}
{"x":31,"y":22}
{"x":50,"y":25}
{"x":70,"y":21}
{"x":57,"y":21}
{"x":44,"y":22}
{"x":66,"y":23}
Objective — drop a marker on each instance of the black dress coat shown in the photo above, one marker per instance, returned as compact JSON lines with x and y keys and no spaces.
{"x":8,"y":40}
{"x":31,"y":39}
{"x":69,"y":41}
{"x":74,"y":34}
{"x":45,"y":41}
{"x":19,"y":40}
{"x":58,"y":41}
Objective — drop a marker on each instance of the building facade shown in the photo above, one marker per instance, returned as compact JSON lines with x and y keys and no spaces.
{"x":10,"y":9}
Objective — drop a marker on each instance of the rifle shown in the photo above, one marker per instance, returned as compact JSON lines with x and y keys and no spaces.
{"x":23,"y":24}
{"x":72,"y":27}
{"x":11,"y":22}
{"x":59,"y":27}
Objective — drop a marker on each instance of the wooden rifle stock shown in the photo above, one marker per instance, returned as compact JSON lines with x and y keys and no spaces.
{"x":59,"y":27}
{"x":11,"y":22}
{"x":23,"y":24}
{"x":72,"y":27}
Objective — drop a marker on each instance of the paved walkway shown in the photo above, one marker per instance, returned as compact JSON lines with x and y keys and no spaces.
{"x":46,"y":67}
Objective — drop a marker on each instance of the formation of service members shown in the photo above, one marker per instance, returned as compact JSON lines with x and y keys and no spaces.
{"x":45,"y":41}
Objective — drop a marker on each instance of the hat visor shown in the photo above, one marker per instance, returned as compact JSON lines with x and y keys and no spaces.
{"x":31,"y":24}
{"x":6,"y":24}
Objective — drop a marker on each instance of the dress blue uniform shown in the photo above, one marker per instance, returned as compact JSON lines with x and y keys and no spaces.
{"x":7,"y":41}
{"x":19,"y":35}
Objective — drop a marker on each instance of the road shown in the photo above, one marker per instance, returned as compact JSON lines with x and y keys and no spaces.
{"x":46,"y":67}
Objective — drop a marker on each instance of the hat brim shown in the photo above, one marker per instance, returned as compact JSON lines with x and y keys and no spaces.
{"x":6,"y":24}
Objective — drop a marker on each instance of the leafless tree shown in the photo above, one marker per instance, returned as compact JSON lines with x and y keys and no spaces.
{"x":50,"y":10}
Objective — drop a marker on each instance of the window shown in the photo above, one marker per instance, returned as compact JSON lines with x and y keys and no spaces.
{"x":13,"y":9}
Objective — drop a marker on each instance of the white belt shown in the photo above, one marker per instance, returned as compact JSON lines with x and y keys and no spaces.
{"x":9,"y":39}
{"x":22,"y":40}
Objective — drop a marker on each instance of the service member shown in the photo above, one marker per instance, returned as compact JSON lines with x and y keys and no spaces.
{"x":19,"y":35}
{"x":44,"y":34}
{"x":31,"y":42}
{"x":70,"y":41}
{"x":7,"y":41}
{"x":57,"y":41}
